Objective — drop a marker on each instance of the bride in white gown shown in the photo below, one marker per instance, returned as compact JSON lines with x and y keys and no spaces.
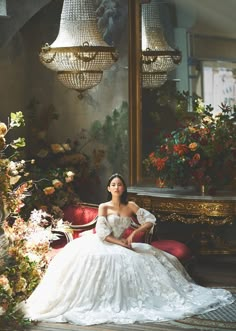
{"x":101,"y":278}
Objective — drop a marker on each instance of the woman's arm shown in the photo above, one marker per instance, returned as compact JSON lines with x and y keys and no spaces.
{"x":147,"y":219}
{"x":121,"y":242}
{"x":144,"y":227}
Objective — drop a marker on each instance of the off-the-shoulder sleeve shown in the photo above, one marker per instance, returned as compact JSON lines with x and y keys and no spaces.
{"x":144,"y":216}
{"x":103,"y":228}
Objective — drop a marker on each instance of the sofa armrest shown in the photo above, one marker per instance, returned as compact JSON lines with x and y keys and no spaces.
{"x":83,"y":227}
{"x":82,"y":216}
{"x":64,"y":236}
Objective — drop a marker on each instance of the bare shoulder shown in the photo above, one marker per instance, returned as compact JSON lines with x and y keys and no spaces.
{"x":133,"y":206}
{"x":102,"y":209}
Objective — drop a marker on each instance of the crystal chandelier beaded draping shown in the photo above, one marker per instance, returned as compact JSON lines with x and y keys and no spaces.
{"x":158,"y":58}
{"x":79,"y":55}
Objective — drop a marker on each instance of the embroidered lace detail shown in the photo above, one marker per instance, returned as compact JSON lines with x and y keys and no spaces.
{"x":92,"y":281}
{"x":145,"y":216}
{"x":113,"y":223}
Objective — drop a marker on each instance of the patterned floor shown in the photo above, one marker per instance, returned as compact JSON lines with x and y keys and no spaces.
{"x":220,"y":319}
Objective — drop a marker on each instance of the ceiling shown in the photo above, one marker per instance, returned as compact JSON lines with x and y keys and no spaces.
{"x":213,"y":17}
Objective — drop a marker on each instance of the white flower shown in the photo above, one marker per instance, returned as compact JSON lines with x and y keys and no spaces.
{"x":13,"y":168}
{"x":57,"y":183}
{"x":70,"y":173}
{"x":201,"y":106}
{"x":69,"y":176}
{"x":14,"y":180}
{"x":41,"y":235}
{"x":37,"y":215}
{"x":60,"y":223}
{"x":33,"y":257}
{"x":66,"y":147}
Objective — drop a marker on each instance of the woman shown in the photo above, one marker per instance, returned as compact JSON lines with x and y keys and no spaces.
{"x":102,"y":278}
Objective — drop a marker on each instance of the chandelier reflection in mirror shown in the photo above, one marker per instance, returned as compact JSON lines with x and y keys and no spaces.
{"x":158,"y":58}
{"x":79,"y":55}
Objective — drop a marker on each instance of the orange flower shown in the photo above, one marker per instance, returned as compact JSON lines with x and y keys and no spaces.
{"x":57,"y":148}
{"x":160,"y":163}
{"x":195,"y":159}
{"x":3,"y":129}
{"x":152,"y":158}
{"x":180,"y":149}
{"x":192,"y":129}
{"x":193,"y":146}
{"x":49,"y":190}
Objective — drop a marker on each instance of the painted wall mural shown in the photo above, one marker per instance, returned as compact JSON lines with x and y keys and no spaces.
{"x":105,"y":104}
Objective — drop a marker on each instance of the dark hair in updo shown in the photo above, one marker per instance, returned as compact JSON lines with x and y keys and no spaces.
{"x":124,"y":196}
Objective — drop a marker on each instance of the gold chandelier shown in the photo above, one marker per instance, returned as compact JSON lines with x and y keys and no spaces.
{"x":158,"y":58}
{"x":79,"y":55}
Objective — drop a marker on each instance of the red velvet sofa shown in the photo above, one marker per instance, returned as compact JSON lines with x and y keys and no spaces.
{"x":82,"y":218}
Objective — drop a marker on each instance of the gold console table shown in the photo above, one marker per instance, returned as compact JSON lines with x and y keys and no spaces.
{"x":207,"y":215}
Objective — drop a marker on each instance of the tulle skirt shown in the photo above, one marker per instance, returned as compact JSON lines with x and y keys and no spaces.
{"x":92,"y":282}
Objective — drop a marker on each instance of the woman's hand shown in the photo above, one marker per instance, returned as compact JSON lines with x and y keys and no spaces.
{"x":129,"y":239}
{"x":125,"y":243}
{"x":122,"y":242}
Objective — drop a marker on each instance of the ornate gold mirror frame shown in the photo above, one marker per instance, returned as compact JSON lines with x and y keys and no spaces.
{"x":135,"y":97}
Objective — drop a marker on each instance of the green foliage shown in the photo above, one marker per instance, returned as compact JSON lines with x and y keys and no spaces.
{"x":13,"y":182}
{"x":54,"y":189}
{"x":19,"y":277}
{"x":18,"y":143}
{"x":113,"y":133}
{"x":17,"y":119}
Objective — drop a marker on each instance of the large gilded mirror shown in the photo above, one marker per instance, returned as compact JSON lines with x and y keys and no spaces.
{"x":204,"y":33}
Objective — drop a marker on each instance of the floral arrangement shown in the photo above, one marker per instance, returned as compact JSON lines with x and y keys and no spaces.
{"x":14,"y":268}
{"x":18,"y":277}
{"x":54,"y":189}
{"x":13,"y":183}
{"x":24,"y":260}
{"x":24,"y":242}
{"x":62,"y":174}
{"x":201,"y":151}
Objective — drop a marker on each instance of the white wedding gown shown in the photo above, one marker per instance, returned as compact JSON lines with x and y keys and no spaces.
{"x":91,"y":281}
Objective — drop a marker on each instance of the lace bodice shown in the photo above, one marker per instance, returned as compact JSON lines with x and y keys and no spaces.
{"x":116,"y":225}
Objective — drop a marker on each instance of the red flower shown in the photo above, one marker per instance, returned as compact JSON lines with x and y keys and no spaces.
{"x":161,"y":162}
{"x":152,"y":155}
{"x":181,"y":149}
